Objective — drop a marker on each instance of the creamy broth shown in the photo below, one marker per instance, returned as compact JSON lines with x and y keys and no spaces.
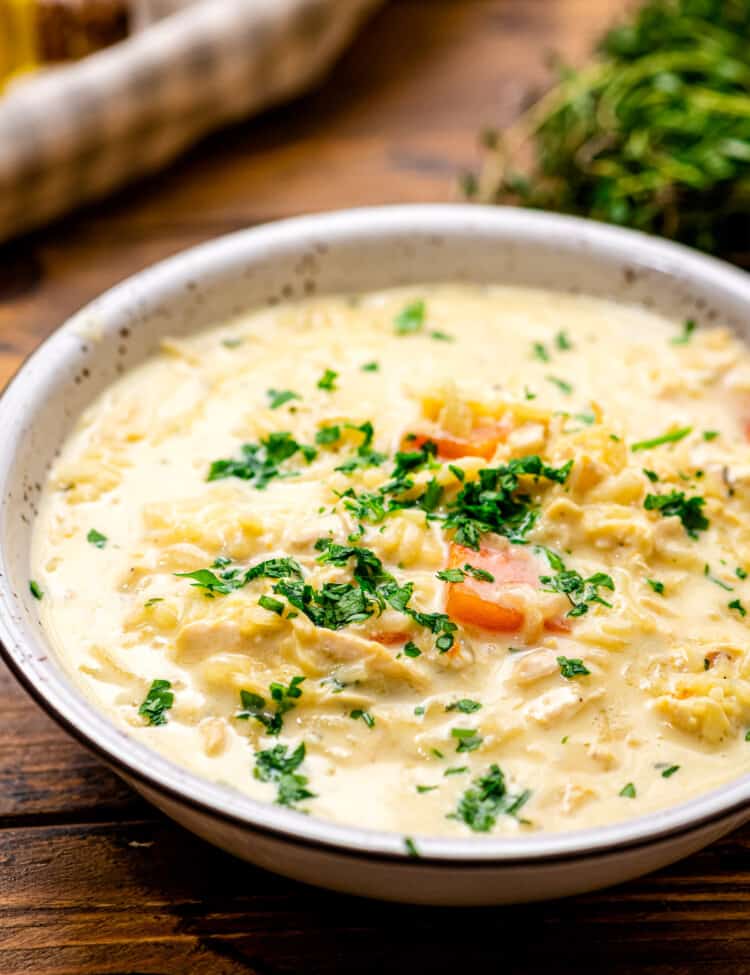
{"x":582,"y":657}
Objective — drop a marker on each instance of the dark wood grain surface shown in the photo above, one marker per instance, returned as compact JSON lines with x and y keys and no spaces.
{"x":92,"y":880}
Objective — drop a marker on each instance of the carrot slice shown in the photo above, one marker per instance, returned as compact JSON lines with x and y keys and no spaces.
{"x":481,"y":442}
{"x":479,"y":602}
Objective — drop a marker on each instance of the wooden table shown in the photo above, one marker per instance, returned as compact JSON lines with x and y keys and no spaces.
{"x":92,"y":880}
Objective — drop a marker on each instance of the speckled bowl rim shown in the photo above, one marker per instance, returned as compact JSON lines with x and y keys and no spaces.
{"x":28,"y":656}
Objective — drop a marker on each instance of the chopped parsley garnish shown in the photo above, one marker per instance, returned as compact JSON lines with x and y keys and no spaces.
{"x":563,"y":385}
{"x":277,"y":765}
{"x":527,"y":394}
{"x":358,"y":713}
{"x":421,"y":789}
{"x":740,"y":572}
{"x":411,"y":847}
{"x":481,"y":574}
{"x":669,"y":772}
{"x":337,"y":604}
{"x":490,"y":503}
{"x":370,"y":367}
{"x":628,"y":791}
{"x":153,"y":601}
{"x":465,"y":706}
{"x":716,"y":582}
{"x":651,"y":475}
{"x":96,"y":538}
{"x":451,"y":575}
{"x":255,"y":706}
{"x":539,"y":351}
{"x":657,"y":586}
{"x":231,"y":343}
{"x":328,"y":381}
{"x":260,"y":462}
{"x":486,"y":799}
{"x":277,"y":397}
{"x":228,"y":580}
{"x":456,"y":770}
{"x":468,"y":739}
{"x":411,"y":319}
{"x":412,"y":650}
{"x":328,"y":435}
{"x":365,"y":455}
{"x":271,"y":604}
{"x":710,"y":434}
{"x":571,"y":667}
{"x":672,"y":437}
{"x":563,"y":342}
{"x":676,"y":505}
{"x":35,"y":589}
{"x":442,"y":336}
{"x":580,"y":592}
{"x":688,"y":327}
{"x":158,"y":701}
{"x":419,"y":710}
{"x":737,"y":604}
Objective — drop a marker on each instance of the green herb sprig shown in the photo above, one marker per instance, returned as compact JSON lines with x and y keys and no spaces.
{"x":654,"y":133}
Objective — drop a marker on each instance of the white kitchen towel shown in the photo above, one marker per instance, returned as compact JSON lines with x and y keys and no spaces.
{"x":75,"y":133}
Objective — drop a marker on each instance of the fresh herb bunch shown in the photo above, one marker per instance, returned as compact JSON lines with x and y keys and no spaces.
{"x":654,"y":134}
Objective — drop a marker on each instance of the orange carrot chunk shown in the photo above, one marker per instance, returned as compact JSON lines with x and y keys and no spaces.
{"x":481,"y":442}
{"x":479,"y":602}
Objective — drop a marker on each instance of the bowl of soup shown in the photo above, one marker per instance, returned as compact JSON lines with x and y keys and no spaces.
{"x":402,"y":551}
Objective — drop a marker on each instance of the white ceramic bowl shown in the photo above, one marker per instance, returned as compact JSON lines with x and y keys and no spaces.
{"x":350,"y":251}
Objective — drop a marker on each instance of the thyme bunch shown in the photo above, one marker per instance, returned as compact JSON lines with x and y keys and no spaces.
{"x":653,"y":134}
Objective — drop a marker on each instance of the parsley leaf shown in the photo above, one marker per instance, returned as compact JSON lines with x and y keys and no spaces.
{"x":370,"y":367}
{"x":277,"y":397}
{"x":285,"y":698}
{"x":276,"y":765}
{"x":465,"y":706}
{"x":688,"y":327}
{"x":96,"y":538}
{"x":158,"y":700}
{"x":571,"y":667}
{"x":628,"y":791}
{"x":411,"y":319}
{"x":481,"y":574}
{"x":487,"y":798}
{"x":490,"y":503}
{"x":657,"y":586}
{"x":451,"y":575}
{"x":540,"y":352}
{"x":228,"y":580}
{"x":468,"y":739}
{"x":737,"y":604}
{"x":672,"y":437}
{"x":328,"y":435}
{"x":260,"y":462}
{"x":358,"y":713}
{"x":365,"y":456}
{"x":580,"y":592}
{"x":676,"y":505}
{"x":562,"y":384}
{"x":328,"y":381}
{"x":35,"y":589}
{"x":669,"y":772}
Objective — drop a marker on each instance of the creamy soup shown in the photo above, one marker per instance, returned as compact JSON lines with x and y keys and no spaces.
{"x":445,"y":560}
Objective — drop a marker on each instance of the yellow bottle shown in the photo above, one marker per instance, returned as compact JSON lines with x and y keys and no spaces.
{"x":39,"y":32}
{"x":18,"y":48}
